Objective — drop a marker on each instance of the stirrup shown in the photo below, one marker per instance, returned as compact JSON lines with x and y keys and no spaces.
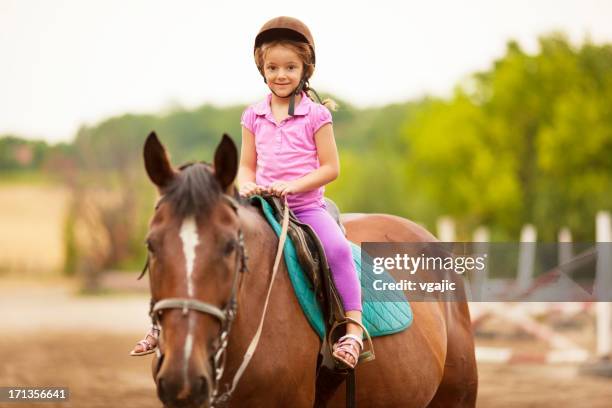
{"x":364,"y":356}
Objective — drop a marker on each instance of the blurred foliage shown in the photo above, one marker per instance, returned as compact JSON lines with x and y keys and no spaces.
{"x":529,"y":140}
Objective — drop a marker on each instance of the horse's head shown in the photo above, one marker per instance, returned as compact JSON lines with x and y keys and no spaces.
{"x":195,"y":255}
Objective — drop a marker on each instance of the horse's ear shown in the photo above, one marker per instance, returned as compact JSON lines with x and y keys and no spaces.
{"x":226,"y":162}
{"x":157,"y":162}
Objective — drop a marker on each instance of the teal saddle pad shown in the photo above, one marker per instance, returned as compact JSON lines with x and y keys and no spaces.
{"x":384,"y":313}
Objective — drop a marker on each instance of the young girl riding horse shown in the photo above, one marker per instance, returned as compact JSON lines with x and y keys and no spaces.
{"x":288,"y":149}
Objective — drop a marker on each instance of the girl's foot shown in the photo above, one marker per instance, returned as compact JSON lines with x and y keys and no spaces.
{"x":347,"y":349}
{"x":147,"y":345}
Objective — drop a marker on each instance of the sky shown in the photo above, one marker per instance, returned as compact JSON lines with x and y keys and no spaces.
{"x":64,"y":64}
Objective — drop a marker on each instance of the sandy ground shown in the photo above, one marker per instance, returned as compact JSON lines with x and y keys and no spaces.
{"x":53,"y":338}
{"x":96,"y":368}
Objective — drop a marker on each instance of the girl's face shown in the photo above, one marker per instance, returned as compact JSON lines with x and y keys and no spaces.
{"x":283,"y":70}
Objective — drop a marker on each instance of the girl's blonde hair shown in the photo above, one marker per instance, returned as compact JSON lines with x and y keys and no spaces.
{"x":303,"y":51}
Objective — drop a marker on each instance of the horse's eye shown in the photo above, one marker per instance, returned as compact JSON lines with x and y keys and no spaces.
{"x":230,"y":246}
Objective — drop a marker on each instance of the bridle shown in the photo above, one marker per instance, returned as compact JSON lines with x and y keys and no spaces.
{"x":225,"y":316}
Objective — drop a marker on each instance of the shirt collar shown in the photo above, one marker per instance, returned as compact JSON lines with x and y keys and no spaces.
{"x":303,"y":108}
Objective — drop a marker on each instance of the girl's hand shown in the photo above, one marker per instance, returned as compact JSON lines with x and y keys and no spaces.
{"x":250,"y":188}
{"x":283,"y":188}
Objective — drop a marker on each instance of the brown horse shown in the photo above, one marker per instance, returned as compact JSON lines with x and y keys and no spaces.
{"x":203,"y":286}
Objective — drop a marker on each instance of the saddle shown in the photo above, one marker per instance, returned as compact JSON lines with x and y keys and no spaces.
{"x":311,"y":257}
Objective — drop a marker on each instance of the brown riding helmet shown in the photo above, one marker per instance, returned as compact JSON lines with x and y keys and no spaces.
{"x":285,"y":28}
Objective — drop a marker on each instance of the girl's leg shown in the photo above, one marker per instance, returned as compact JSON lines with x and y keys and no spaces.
{"x":339,"y":256}
{"x":338,"y":253}
{"x":148,"y":344}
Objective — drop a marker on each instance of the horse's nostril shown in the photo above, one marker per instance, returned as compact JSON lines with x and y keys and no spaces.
{"x":203,"y":388}
{"x":160,"y":390}
{"x":199,"y":392}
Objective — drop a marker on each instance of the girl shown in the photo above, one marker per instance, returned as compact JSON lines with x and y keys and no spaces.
{"x":288,"y":149}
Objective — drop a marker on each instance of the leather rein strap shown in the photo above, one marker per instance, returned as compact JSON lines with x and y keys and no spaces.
{"x":255,"y":341}
{"x":226,"y":315}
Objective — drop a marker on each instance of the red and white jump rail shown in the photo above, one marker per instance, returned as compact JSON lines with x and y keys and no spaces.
{"x":506,"y":355}
{"x":519,"y":314}
{"x":563,"y":350}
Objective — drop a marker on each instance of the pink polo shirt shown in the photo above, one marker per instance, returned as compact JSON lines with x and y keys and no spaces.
{"x":287,"y":151}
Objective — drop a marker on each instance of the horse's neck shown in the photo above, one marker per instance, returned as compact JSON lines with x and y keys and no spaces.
{"x":286,"y":338}
{"x":261,"y":245}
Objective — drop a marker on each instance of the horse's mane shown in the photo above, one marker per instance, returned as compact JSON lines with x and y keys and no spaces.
{"x":195,"y":190}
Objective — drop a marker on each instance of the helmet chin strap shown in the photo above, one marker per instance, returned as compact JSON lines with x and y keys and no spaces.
{"x":296,"y":91}
{"x":292,"y":97}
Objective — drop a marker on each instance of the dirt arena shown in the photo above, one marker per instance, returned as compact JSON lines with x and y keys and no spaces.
{"x":53,"y":338}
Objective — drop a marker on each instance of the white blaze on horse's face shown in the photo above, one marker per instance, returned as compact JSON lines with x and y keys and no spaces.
{"x":189,"y":236}
{"x":190,"y":239}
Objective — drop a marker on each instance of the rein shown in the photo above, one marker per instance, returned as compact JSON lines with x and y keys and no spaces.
{"x":226,"y":315}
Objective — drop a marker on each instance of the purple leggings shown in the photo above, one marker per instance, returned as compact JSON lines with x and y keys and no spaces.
{"x":338,"y":253}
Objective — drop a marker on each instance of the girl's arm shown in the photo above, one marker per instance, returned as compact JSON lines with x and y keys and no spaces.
{"x":328,"y":160}
{"x":248,"y":159}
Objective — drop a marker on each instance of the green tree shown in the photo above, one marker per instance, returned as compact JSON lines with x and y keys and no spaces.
{"x":530,"y":140}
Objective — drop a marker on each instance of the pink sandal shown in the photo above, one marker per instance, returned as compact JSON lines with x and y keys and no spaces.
{"x":351,"y":344}
{"x":149,"y":345}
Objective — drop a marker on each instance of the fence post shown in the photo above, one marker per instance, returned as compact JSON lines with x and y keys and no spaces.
{"x":526,"y":259}
{"x":446,"y":229}
{"x":479,"y":278}
{"x":566,"y":252}
{"x":603,"y":285}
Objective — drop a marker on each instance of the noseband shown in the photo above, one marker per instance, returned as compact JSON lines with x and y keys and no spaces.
{"x":225,"y":316}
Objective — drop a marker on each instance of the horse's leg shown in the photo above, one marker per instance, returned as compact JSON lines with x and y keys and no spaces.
{"x":459,"y":385}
